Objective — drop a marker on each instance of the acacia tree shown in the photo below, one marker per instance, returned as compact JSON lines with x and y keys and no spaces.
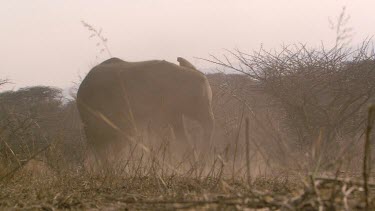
{"x":28,"y":117}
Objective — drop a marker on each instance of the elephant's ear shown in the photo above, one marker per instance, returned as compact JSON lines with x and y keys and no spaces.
{"x":185,"y":63}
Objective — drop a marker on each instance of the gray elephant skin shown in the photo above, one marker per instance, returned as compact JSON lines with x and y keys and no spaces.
{"x":117,"y":99}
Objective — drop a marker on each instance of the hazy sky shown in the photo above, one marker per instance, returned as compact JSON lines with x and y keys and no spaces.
{"x":44,"y":43}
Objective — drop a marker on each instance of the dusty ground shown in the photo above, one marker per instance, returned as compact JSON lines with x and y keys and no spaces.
{"x":78,"y":192}
{"x":35,"y":188}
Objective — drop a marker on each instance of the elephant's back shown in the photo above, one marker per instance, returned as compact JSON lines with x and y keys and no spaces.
{"x":147,"y":77}
{"x":149,"y":69}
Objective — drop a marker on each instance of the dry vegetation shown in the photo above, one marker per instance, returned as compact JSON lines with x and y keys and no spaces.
{"x":290,"y":135}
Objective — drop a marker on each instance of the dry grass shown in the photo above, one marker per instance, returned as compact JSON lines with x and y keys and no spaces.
{"x":37,"y":187}
{"x":155,"y":178}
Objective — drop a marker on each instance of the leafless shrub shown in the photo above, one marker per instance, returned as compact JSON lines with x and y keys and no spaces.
{"x":320,"y":94}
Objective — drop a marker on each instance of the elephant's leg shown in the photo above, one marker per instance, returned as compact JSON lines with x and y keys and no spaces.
{"x":183,"y":144}
{"x":206,"y":120}
{"x":208,"y":125}
{"x":178,"y":126}
{"x":104,"y":142}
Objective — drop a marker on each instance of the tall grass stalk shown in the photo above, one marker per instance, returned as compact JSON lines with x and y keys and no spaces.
{"x":367,"y":153}
{"x":248,"y":151}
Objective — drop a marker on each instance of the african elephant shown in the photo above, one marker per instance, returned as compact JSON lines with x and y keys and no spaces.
{"x":118,"y":98}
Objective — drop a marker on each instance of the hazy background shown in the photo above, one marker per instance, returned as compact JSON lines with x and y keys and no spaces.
{"x":44,"y":42}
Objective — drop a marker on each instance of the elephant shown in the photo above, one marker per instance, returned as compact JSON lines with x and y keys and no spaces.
{"x":117,"y":99}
